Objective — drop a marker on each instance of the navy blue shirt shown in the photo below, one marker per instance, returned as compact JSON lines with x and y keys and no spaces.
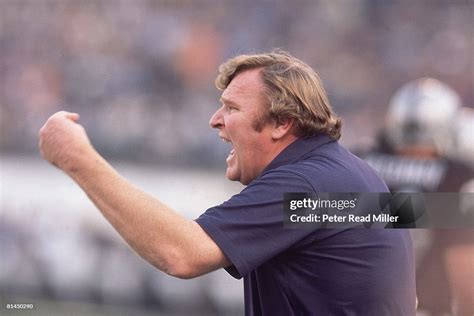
{"x":312,"y":271}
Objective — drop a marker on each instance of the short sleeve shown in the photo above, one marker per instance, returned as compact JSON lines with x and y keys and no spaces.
{"x":248,"y":227}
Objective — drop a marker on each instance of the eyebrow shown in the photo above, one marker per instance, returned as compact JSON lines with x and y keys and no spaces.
{"x":227,"y":101}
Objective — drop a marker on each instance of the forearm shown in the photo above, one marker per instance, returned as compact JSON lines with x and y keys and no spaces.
{"x":166,"y":239}
{"x":157,"y":233}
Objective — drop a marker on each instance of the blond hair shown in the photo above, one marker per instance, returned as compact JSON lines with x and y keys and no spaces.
{"x":294,"y":91}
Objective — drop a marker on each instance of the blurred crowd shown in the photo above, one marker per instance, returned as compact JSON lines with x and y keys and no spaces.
{"x":141,"y":72}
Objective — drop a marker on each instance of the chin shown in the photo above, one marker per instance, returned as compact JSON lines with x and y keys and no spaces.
{"x":232,"y":177}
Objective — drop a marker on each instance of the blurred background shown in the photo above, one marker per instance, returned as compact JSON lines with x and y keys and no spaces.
{"x":141,"y":75}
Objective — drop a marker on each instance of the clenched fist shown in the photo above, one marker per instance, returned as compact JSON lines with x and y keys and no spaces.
{"x":62,"y":141}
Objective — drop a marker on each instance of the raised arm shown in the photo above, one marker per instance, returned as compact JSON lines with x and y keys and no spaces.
{"x":166,"y":239}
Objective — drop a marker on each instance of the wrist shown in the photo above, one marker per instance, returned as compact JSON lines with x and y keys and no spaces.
{"x":81,"y":161}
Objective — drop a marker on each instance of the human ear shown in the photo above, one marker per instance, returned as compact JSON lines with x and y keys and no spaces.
{"x":282,"y":128}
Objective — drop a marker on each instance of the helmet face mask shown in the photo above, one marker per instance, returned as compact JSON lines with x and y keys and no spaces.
{"x":422,"y":113}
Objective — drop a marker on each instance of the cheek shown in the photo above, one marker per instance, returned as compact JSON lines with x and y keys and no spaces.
{"x":231,"y":122}
{"x":246,"y":156}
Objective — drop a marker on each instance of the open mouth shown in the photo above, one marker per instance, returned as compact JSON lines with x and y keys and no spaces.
{"x":232,"y":150}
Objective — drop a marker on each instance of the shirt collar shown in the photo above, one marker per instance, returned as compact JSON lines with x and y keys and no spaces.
{"x":297,"y":150}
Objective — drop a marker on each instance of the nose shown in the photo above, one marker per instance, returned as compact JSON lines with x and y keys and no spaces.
{"x":217,"y":120}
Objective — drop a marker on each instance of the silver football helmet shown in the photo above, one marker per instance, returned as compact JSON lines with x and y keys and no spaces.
{"x":422,"y":112}
{"x":464,"y":145}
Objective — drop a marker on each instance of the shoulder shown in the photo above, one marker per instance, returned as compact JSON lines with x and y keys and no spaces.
{"x":336,"y":169}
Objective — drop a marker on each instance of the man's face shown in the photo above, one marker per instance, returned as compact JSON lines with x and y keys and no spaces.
{"x":243,"y":104}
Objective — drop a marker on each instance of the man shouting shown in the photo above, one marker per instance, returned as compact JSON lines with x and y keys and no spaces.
{"x":284,"y":138}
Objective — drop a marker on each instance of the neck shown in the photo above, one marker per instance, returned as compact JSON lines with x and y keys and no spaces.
{"x":280,"y":144}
